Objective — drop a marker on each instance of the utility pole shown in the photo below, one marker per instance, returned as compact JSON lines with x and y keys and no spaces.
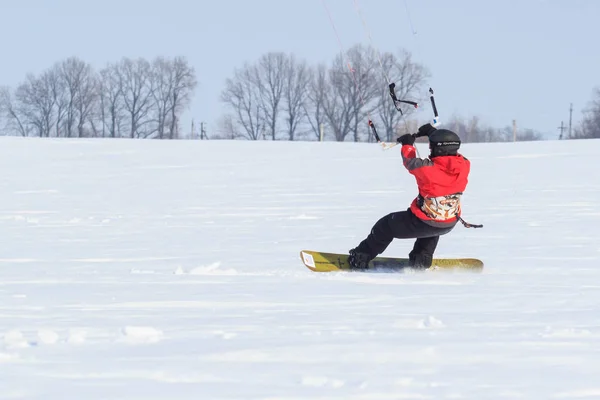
{"x":570,"y":119}
{"x":562,"y":129}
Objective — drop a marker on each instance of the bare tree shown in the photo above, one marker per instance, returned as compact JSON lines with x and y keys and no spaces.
{"x":70,"y":72}
{"x":337,"y":108}
{"x":241,"y":96}
{"x":86,"y":97}
{"x":111,"y":104}
{"x":174,"y":82}
{"x":313,"y":107}
{"x":269,"y":77}
{"x":37,"y":101}
{"x":184,"y":84}
{"x":12,"y":113}
{"x":137,"y":95}
{"x":96,"y":114}
{"x":296,"y":91}
{"x":61,"y":99}
{"x":351,"y":94}
{"x":409,"y":79}
{"x":162,"y":81}
{"x":590,"y":125}
{"x":366,"y":86}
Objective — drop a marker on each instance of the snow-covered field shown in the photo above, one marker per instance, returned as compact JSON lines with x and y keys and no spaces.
{"x":171,"y":270}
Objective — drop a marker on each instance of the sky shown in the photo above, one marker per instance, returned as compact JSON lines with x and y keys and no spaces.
{"x":525,"y":60}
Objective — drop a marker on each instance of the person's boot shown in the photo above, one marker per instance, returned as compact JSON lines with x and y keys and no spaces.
{"x":420,"y":261}
{"x":358,"y":259}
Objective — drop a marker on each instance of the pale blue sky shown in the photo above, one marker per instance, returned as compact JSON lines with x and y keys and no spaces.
{"x":503,"y":59}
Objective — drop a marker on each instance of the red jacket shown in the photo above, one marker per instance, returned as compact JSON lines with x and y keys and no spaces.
{"x":441,"y":181}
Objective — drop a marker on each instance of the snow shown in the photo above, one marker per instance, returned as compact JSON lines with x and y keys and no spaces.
{"x":171,"y":270}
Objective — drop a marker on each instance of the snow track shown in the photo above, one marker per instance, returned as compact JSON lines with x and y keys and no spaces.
{"x":163,"y":270}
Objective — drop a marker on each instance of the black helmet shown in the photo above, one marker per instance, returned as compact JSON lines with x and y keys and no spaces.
{"x":443,"y":142}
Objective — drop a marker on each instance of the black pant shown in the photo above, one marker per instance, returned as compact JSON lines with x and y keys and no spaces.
{"x":404,"y":225}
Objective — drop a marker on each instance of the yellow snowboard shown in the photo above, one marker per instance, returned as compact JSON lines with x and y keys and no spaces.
{"x":327,"y":262}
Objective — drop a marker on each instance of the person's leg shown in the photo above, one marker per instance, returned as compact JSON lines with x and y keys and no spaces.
{"x":397,"y":225}
{"x":421,"y":256}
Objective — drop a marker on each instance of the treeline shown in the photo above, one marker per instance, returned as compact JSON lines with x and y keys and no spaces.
{"x":279,"y":97}
{"x":133,"y":98}
{"x":276,"y":97}
{"x":473,"y":130}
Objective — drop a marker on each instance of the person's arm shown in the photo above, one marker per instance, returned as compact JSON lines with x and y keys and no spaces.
{"x":408,"y":151}
{"x":410,"y":160}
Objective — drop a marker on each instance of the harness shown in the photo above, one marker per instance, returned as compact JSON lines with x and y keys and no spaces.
{"x":442,"y":208}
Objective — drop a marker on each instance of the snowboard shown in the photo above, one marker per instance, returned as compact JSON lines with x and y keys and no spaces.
{"x":327,"y":262}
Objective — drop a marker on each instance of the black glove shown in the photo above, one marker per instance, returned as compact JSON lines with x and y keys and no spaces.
{"x":426,"y":130}
{"x":408,"y":138}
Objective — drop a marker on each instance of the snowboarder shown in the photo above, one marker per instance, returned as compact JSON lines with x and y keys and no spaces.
{"x":441,"y":180}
